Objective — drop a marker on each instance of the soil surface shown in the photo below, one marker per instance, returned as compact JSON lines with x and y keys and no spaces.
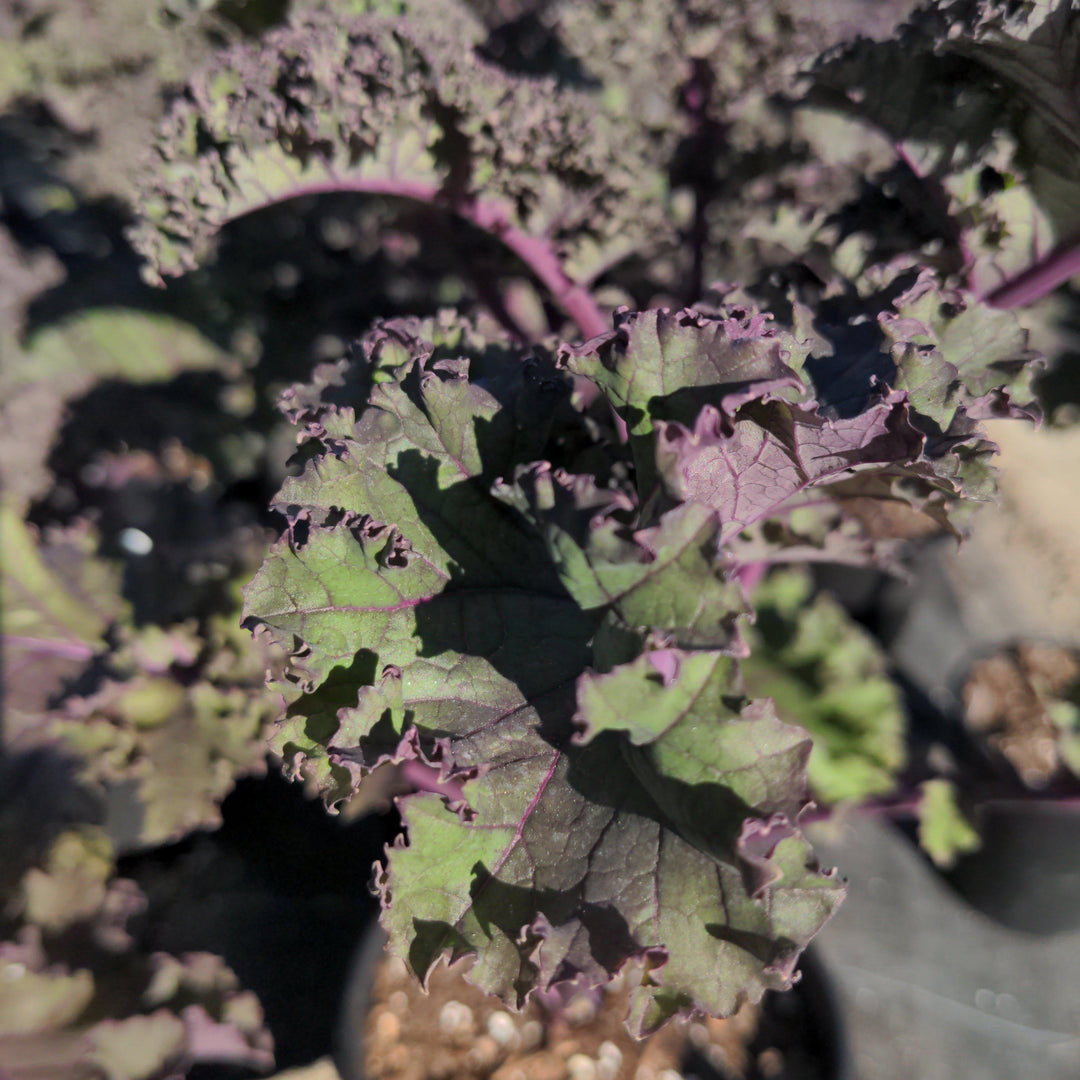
{"x":1011,"y":699}
{"x":456,"y":1032}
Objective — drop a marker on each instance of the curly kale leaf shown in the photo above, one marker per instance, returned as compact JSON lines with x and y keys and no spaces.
{"x":42,"y":375}
{"x":164,"y":720}
{"x":979,"y":99}
{"x":945,"y":832}
{"x":478,"y":577}
{"x":392,"y":107}
{"x":58,"y":601}
{"x":177,"y":719}
{"x":645,"y":53}
{"x":731,"y":410}
{"x":455,"y":593}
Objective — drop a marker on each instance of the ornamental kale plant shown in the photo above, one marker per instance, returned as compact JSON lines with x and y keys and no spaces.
{"x":522,"y":542}
{"x":480,"y":575}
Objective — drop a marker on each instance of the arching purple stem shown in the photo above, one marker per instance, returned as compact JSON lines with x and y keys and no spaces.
{"x":538,"y":253}
{"x":1042,"y":277}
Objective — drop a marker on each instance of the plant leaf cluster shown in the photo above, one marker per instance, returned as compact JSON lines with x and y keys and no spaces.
{"x":78,"y":997}
{"x":977,"y":99}
{"x":478,"y":575}
{"x":825,"y":673}
{"x":393,"y":107}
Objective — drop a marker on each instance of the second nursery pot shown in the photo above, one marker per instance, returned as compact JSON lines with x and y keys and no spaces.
{"x":390,"y":1029}
{"x":1021,"y":721}
{"x":1026,"y":874}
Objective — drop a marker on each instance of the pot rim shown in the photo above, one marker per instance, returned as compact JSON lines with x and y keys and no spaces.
{"x":817,"y":985}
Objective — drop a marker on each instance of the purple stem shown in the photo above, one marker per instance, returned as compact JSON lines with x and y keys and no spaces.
{"x":426,"y":778}
{"x":901,"y":806}
{"x":906,"y":805}
{"x":749,"y":575}
{"x":537,"y":253}
{"x":1043,"y":276}
{"x":68,"y":650}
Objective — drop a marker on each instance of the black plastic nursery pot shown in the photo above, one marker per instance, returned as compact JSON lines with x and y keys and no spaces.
{"x":390,"y":1030}
{"x":1024,"y":802}
{"x":1026,"y":875}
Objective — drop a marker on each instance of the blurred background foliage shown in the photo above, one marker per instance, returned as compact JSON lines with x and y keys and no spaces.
{"x":140,"y":446}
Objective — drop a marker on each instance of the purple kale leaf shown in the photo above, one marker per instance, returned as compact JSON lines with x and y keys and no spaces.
{"x":479,"y":578}
{"x":749,"y":465}
{"x":760,"y":423}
